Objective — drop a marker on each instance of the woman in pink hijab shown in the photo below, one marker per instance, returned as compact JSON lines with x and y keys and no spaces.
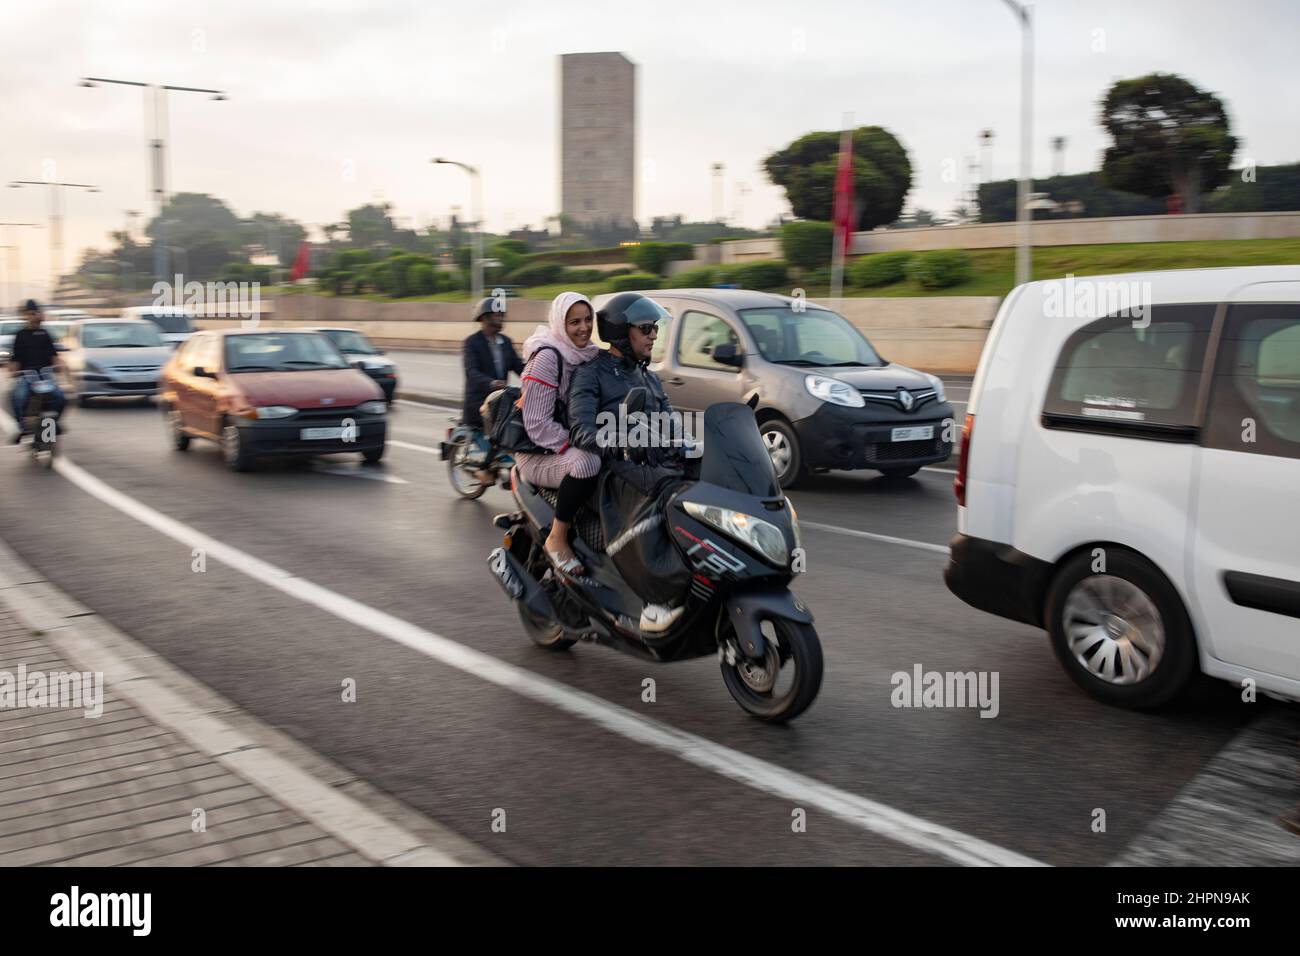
{"x":550,"y":354}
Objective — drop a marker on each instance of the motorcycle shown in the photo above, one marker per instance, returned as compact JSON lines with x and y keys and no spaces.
{"x":735,"y":531}
{"x":467,"y":452}
{"x":36,"y":420}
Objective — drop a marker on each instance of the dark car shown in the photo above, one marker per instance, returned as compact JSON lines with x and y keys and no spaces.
{"x":271,"y":393}
{"x":826,"y":398}
{"x":360,"y":349}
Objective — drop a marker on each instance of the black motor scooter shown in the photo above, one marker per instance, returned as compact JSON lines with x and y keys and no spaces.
{"x":738,"y":535}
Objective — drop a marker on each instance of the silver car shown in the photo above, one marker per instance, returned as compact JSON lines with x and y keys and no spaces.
{"x":826,"y":398}
{"x":9,"y":327}
{"x":114,"y":358}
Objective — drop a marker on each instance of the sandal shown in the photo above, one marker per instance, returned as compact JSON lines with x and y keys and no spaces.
{"x":566,"y":566}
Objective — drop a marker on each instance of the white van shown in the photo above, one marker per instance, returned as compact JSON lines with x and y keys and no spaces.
{"x":174,"y":324}
{"x":1129,"y":479}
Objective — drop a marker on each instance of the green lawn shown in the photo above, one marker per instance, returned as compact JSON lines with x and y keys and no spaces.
{"x":993,"y":270}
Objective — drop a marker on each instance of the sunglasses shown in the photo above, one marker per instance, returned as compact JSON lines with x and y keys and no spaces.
{"x":648,"y":329}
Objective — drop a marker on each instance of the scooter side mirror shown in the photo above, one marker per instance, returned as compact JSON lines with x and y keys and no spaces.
{"x":635,"y":400}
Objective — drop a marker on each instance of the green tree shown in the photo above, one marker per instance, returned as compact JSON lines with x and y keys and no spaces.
{"x":202,"y":233}
{"x":1169,"y":138}
{"x":274,"y":233}
{"x":806,"y":169}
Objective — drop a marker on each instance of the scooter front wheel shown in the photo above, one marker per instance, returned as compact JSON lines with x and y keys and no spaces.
{"x":785,"y":683}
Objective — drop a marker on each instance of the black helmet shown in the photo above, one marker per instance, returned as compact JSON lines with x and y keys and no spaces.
{"x":624,"y":310}
{"x":489,"y":305}
{"x":31,"y":306}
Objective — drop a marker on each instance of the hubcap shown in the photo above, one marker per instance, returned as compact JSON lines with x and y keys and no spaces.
{"x":1113,"y":629}
{"x":761,"y":678}
{"x":779,"y":450}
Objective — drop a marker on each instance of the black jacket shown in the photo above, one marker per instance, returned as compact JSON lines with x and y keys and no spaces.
{"x":600,"y":386}
{"x":481,"y":372}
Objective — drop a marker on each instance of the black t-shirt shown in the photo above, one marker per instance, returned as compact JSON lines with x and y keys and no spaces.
{"x":32,"y":348}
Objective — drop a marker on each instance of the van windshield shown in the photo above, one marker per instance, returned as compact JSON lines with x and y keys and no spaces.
{"x":813,"y":338}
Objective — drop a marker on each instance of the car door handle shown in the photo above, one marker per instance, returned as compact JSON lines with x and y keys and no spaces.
{"x":676,"y":381}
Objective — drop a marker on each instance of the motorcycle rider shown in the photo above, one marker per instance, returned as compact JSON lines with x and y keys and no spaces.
{"x":629,"y":323}
{"x":32,"y":348}
{"x":489,"y":357}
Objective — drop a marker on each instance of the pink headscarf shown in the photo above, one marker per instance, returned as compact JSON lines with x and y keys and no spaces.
{"x":557,"y":337}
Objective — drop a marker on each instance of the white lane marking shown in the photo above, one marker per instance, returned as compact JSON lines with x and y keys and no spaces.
{"x":428,"y":406}
{"x":870,"y":536}
{"x":407,"y":444}
{"x":358,"y":472}
{"x":942,"y":471}
{"x":856,"y":810}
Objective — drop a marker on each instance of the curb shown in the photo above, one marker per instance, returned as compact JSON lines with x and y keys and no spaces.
{"x":375,"y":825}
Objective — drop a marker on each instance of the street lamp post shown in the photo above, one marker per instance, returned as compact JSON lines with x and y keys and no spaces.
{"x":56,"y":222}
{"x":1023,"y":12}
{"x":155,"y":102}
{"x":15,"y":257}
{"x":476,"y":267}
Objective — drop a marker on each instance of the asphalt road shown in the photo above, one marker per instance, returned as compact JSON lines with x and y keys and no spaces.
{"x":578,"y":786}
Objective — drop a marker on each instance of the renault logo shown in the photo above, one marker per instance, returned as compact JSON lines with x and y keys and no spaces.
{"x":905,"y":399}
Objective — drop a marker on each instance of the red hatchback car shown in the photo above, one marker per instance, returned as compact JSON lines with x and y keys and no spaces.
{"x":269,"y":392}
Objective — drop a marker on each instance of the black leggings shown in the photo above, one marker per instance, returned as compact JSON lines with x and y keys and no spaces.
{"x":573,"y":492}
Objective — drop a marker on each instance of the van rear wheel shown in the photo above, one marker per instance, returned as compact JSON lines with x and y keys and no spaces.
{"x":1120,"y":629}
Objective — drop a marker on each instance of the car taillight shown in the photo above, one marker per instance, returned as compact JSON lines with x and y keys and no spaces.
{"x":963,"y":459}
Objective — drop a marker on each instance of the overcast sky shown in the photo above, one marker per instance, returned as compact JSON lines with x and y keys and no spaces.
{"x":334,"y":104}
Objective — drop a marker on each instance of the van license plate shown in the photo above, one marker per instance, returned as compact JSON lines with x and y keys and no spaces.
{"x":310,"y":434}
{"x":918,"y":433}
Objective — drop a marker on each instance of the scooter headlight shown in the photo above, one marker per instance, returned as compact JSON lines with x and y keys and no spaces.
{"x":763,"y":536}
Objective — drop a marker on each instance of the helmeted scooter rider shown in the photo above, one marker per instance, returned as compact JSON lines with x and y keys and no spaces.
{"x":629,"y":323}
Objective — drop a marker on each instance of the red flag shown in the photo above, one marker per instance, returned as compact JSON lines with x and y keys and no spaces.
{"x":843,"y":218}
{"x":301,"y":262}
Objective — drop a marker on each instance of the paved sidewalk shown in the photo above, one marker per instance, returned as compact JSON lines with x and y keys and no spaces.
{"x":120,"y":789}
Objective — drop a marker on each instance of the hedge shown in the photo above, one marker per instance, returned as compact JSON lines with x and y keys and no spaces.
{"x":763,"y":274}
{"x":701,"y":277}
{"x":537,"y":273}
{"x":881,"y":268}
{"x":636,"y":281}
{"x":940,"y":268}
{"x":807,"y":244}
{"x":655,"y":256}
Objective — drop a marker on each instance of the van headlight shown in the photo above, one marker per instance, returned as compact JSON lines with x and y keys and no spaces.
{"x":834,"y":391}
{"x":763,"y":536}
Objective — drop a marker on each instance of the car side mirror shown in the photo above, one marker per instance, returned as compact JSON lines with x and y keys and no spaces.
{"x":635,"y":400}
{"x":726,"y":354}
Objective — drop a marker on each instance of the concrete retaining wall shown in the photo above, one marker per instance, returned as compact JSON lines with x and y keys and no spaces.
{"x":936,"y":334}
{"x":1048,"y":232}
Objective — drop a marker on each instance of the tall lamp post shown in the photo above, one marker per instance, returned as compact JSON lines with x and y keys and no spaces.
{"x":1023,"y":12}
{"x":56,"y":222}
{"x":15,"y":257}
{"x":155,"y":104}
{"x":476,"y":266}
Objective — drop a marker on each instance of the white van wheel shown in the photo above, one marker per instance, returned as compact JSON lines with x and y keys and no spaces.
{"x":1122,"y":633}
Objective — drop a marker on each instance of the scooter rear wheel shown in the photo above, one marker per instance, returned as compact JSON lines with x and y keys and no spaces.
{"x":786,"y":682}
